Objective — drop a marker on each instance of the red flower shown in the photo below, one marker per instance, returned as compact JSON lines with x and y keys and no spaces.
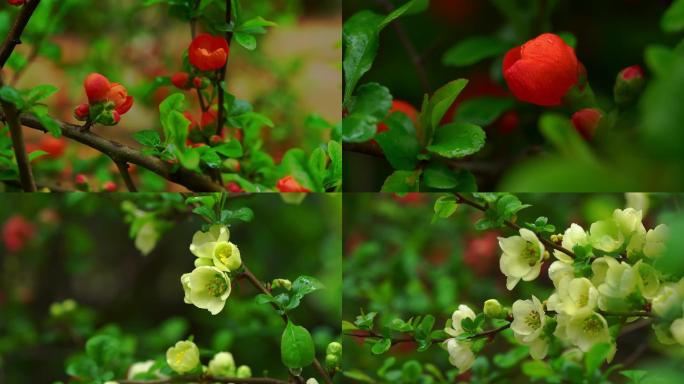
{"x":81,"y":179}
{"x":481,"y":253}
{"x":403,"y":107}
{"x":55,"y":147}
{"x":542,"y":71}
{"x":119,"y":96}
{"x":16,"y":232}
{"x":180,"y":80}
{"x":16,"y":2}
{"x":586,"y":121}
{"x":234,"y":187}
{"x":109,"y":186}
{"x":208,"y":117}
{"x":96,"y":87}
{"x":208,"y":52}
{"x":289,"y":184}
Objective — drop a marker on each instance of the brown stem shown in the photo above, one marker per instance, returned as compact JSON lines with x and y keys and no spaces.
{"x":185,"y":177}
{"x":14,"y":37}
{"x":463,"y":200}
{"x":126,"y":176}
{"x":411,"y":50}
{"x":408,"y":339}
{"x":28,"y":184}
{"x":261,"y":287}
{"x":222,"y":72}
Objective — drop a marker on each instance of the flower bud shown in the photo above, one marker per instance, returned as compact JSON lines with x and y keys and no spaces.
{"x":181,"y":80}
{"x":311,"y":381}
{"x":222,"y":365}
{"x":282,"y":283}
{"x":244,"y":372}
{"x":109,"y":186}
{"x":629,"y":84}
{"x":234,"y":187}
{"x":494,"y":310}
{"x":541,"y":71}
{"x":82,"y":112}
{"x":199,"y":83}
{"x":215,"y":139}
{"x":586,"y":121}
{"x":289,"y":184}
{"x":183,"y":357}
{"x":334,"y":348}
{"x":208,"y":53}
{"x":332,"y":361}
{"x":81,"y":182}
{"x":97,"y":87}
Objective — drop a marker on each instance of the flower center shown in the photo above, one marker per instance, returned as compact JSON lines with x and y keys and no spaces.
{"x":530,"y":254}
{"x":217,"y":286}
{"x":592,"y":325}
{"x":533,"y":320}
{"x":223,"y":252}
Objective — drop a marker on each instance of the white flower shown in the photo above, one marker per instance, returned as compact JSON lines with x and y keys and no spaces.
{"x":628,"y":220}
{"x":599,"y":269}
{"x":667,"y":300}
{"x":647,"y":279}
{"x":620,"y":282}
{"x":222,"y":365}
{"x":522,"y":257}
{"x":586,"y":328}
{"x":528,"y":323}
{"x":573,"y":236}
{"x":677,"y":330}
{"x":213,"y":248}
{"x":312,"y":381}
{"x":207,"y":288}
{"x":574,"y":295}
{"x":461,"y":313}
{"x":655,"y":241}
{"x":460,"y":354}
{"x":559,"y":271}
{"x":606,"y":236}
{"x":183,"y":357}
{"x":146,"y":238}
{"x":142,"y":368}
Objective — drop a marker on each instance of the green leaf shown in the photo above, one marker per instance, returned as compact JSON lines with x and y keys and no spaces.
{"x":458,"y":140}
{"x":634,"y":376}
{"x":512,"y":357}
{"x":189,"y":159}
{"x":243,"y":214}
{"x":402,"y":181}
{"x":51,"y":125}
{"x":445,"y":206}
{"x":381,"y":346}
{"x":439,"y":176}
{"x":36,"y":154}
{"x":246,"y":40}
{"x":673,"y":20}
{"x":435,"y":108}
{"x":537,"y":369}
{"x":103,"y":349}
{"x":13,"y":96}
{"x":231,"y":149}
{"x":148,"y":138}
{"x":174,"y":124}
{"x":40,"y":92}
{"x":596,"y":355}
{"x":366,"y":109}
{"x":483,"y":111}
{"x":295,"y":163}
{"x":296,"y":346}
{"x":473,"y":50}
{"x":399,"y":142}
{"x":335,"y":169}
{"x":304,"y":285}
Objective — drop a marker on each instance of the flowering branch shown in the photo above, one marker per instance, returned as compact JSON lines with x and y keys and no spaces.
{"x":261,"y":287}
{"x":463,"y":200}
{"x":123,"y":153}
{"x":14,"y":36}
{"x":490,"y":333}
{"x":207,"y":379}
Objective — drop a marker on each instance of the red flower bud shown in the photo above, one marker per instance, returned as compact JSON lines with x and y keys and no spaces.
{"x":289,"y":184}
{"x":586,"y":121}
{"x":197,"y":82}
{"x":81,"y":179}
{"x":109,"y":186}
{"x":180,"y":80}
{"x":82,"y":112}
{"x":541,"y":71}
{"x":403,"y":107}
{"x":119,"y":96}
{"x":193,"y":123}
{"x":97,"y":87}
{"x":208,"y":52}
{"x":215,"y":139}
{"x":234,"y":187}
{"x":632,"y":72}
{"x":16,"y":2}
{"x":17,"y":232}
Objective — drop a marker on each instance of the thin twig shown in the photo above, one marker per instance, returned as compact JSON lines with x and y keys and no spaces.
{"x":222,"y":72}
{"x":409,"y":339}
{"x":126,"y":176}
{"x":411,"y":50}
{"x":179,"y":175}
{"x":261,"y":287}
{"x":28,"y":184}
{"x":14,"y":37}
{"x":463,"y":200}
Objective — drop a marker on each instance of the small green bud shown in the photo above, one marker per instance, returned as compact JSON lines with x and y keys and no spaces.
{"x":282,"y":283}
{"x":493,"y":309}
{"x":244,"y":372}
{"x":332,"y":361}
{"x":334,"y":348}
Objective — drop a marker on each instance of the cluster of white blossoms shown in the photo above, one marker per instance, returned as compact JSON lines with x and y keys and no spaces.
{"x":184,"y":358}
{"x":610,"y":279}
{"x":208,"y":285}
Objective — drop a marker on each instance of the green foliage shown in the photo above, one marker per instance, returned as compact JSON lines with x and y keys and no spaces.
{"x":296,"y":347}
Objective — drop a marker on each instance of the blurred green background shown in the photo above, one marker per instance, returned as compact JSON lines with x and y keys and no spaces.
{"x":80,"y":249}
{"x":399,"y":264}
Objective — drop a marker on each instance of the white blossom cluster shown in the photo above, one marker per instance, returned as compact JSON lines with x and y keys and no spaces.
{"x":618,"y":278}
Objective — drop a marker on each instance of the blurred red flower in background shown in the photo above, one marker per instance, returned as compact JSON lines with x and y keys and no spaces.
{"x":16,"y":232}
